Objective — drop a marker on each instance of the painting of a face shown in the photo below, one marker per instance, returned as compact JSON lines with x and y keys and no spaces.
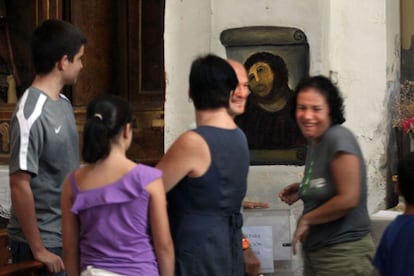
{"x":261,"y":79}
{"x":275,"y":59}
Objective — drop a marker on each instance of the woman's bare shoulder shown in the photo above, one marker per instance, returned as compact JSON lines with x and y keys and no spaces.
{"x":189,"y":140}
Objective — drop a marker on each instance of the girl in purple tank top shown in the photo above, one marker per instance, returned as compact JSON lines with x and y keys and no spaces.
{"x":113,"y":210}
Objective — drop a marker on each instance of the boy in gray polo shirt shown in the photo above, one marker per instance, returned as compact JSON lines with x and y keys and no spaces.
{"x":44,"y":146}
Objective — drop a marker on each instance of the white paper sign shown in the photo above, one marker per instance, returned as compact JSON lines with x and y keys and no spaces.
{"x":261,"y":242}
{"x":279,"y":221}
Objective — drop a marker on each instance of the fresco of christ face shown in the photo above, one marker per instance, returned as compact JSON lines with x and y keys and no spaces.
{"x":261,"y":78}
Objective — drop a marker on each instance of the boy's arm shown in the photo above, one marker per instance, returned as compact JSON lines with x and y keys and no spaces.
{"x":70,"y":231}
{"x":23,"y":203}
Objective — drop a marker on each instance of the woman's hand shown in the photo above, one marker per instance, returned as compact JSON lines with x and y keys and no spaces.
{"x":254,"y":205}
{"x":301,"y":233}
{"x":251,"y":263}
{"x":290,"y":194}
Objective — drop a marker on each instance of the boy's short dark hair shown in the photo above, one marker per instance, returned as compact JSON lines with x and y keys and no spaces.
{"x":53,"y":39}
{"x":406,"y":177}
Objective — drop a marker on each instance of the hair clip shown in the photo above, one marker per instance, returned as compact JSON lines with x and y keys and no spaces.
{"x":99,"y":116}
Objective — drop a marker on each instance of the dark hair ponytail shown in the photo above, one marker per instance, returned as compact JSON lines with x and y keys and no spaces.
{"x":105,"y":117}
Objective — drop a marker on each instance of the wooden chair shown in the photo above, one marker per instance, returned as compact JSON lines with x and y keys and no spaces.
{"x":26,"y":268}
{"x":4,"y":247}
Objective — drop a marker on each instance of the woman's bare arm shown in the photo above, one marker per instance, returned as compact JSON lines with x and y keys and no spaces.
{"x":160,"y":228}
{"x":189,"y":155}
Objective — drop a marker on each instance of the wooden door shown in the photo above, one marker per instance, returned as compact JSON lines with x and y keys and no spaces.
{"x":123,"y":56}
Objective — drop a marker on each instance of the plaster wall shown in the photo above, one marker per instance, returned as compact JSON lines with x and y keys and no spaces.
{"x":265,"y":182}
{"x":356,"y":42}
{"x":187,"y":34}
{"x":364,"y":53}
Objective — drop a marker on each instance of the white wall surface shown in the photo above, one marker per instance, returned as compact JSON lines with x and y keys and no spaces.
{"x":288,"y":13}
{"x":266,"y":181}
{"x":360,"y":53}
{"x":187,"y":35}
{"x":358,"y":40}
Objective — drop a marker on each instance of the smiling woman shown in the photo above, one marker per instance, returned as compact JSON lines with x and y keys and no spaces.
{"x":334,"y":187}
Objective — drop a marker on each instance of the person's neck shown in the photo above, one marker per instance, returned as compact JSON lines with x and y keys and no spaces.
{"x":117,"y":152}
{"x":409,"y":209}
{"x":275,"y":106}
{"x":275,"y":101}
{"x":49,"y":84}
{"x":215,"y":117}
{"x":116,"y":155}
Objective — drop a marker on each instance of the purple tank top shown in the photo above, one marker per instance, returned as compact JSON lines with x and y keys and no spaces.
{"x":115,"y":232}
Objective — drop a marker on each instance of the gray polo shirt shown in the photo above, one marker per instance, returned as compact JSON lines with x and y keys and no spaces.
{"x":44,"y":142}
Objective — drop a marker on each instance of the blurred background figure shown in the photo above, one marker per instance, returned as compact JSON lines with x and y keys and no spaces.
{"x":395,"y":253}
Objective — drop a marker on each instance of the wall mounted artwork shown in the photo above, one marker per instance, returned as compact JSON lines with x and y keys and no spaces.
{"x":275,"y":58}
